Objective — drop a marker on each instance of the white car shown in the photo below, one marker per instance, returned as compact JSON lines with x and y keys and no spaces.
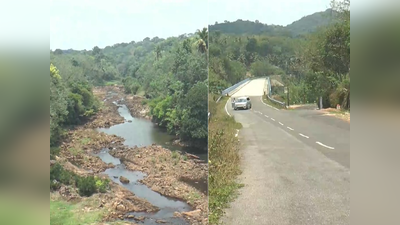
{"x":242,"y":102}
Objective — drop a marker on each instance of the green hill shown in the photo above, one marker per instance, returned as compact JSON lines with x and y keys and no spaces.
{"x":307,"y":24}
{"x":311,"y":23}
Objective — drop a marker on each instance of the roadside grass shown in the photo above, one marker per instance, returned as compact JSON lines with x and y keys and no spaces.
{"x":338,"y":113}
{"x":224,"y":160}
{"x":269,"y":102}
{"x":68,"y":213}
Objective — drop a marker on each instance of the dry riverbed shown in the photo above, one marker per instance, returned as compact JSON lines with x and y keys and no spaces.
{"x":164,"y":169}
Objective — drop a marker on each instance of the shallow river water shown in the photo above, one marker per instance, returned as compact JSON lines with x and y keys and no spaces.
{"x":141,"y":132}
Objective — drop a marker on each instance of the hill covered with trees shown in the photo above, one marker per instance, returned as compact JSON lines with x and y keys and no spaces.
{"x":305,"y":25}
{"x":171,"y":73}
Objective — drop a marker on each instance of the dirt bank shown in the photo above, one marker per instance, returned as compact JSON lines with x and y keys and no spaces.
{"x":344,"y":115}
{"x":165,"y":171}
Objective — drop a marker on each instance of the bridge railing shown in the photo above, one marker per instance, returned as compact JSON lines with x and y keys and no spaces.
{"x":269,"y":93}
{"x":232,"y":88}
{"x":226,"y":91}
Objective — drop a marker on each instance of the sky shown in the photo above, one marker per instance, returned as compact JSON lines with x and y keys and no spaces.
{"x":83,"y":24}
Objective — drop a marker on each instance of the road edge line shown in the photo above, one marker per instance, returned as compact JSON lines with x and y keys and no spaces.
{"x":268,"y":104}
{"x":226,"y":110}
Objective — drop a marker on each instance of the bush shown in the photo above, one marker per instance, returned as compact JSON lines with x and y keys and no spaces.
{"x":86,"y":185}
{"x":134,"y":88}
{"x":334,"y":99}
{"x":58,"y":176}
{"x":102,"y":184}
{"x":54,"y":185}
{"x":54,"y":151}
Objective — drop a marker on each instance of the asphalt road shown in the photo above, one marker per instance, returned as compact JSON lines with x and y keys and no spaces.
{"x":296,"y":165}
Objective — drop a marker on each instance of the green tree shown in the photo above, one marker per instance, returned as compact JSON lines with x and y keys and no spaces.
{"x":194,"y":119}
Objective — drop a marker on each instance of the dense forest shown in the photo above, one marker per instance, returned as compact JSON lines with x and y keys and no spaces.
{"x":305,"y":25}
{"x":313,"y":64}
{"x":171,"y":73}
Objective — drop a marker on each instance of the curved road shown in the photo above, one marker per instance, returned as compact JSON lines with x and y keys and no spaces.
{"x":296,"y":165}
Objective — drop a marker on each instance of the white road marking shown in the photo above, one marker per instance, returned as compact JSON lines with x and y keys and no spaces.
{"x":267,"y":104}
{"x":226,"y":108}
{"x":266,"y":116}
{"x":326,"y":146}
{"x":290,"y":128}
{"x":303,"y":135}
{"x":281,"y":123}
{"x":273,"y":119}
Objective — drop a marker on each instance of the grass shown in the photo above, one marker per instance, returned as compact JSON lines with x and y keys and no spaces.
{"x":75,"y":151}
{"x":340,"y":112}
{"x":224,"y":160}
{"x":140,"y":92}
{"x":194,"y":196}
{"x":175,"y":155}
{"x":54,"y":151}
{"x":66,"y":213}
{"x":84,"y":141}
{"x":269,"y":102}
{"x":113,"y":82}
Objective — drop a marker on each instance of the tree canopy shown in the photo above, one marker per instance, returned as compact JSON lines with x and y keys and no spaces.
{"x":170,"y":72}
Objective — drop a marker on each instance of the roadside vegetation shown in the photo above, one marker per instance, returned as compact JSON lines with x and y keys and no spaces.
{"x":272,"y":103}
{"x":224,"y":164}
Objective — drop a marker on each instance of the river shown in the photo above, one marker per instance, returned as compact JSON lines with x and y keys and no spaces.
{"x":141,"y":132}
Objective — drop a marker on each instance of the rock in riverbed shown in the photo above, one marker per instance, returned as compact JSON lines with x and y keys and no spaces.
{"x":124,"y":180}
{"x":193,"y":213}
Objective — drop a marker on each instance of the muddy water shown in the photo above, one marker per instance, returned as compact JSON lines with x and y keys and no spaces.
{"x":141,"y":132}
{"x":167,"y":205}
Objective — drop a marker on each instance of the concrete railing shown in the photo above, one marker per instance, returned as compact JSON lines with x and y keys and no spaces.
{"x":268,"y":90}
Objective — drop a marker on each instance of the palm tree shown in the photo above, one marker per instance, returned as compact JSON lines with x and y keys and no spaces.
{"x":201,"y":46}
{"x":203,"y":34}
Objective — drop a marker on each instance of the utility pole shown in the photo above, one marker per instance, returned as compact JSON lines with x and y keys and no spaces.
{"x":286,"y":91}
{"x":320,"y":102}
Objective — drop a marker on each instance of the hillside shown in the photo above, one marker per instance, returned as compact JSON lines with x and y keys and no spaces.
{"x":248,"y":27}
{"x":310,"y":23}
{"x":307,"y":24}
{"x":170,"y":73}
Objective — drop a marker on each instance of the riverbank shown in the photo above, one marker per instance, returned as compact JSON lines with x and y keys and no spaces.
{"x":165,"y":170}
